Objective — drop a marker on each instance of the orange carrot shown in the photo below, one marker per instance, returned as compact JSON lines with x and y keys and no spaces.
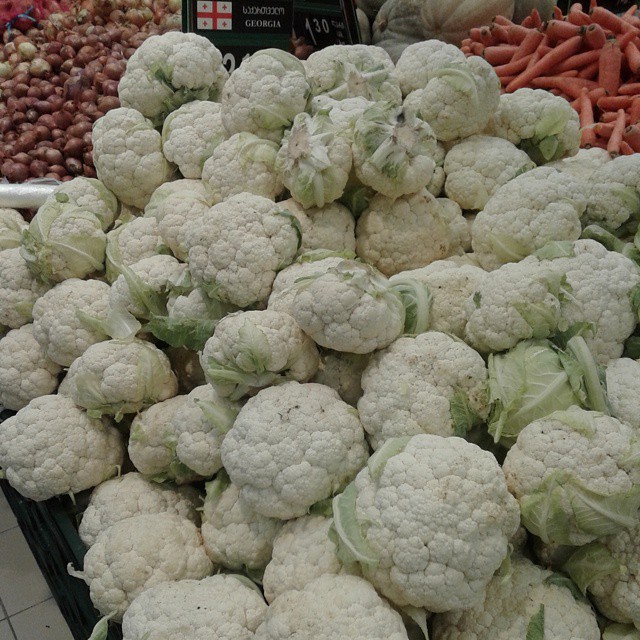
{"x":603,"y":129}
{"x":630,"y":12}
{"x":503,"y":20}
{"x":505,"y":80}
{"x":613,"y":103}
{"x":530,"y":43}
{"x":528,"y":22}
{"x":629,"y":89}
{"x":517,"y":33}
{"x":572,"y":74}
{"x":610,"y":20}
{"x":634,"y":111}
{"x":579,"y":60}
{"x":632,"y":55}
{"x":625,"y":38}
{"x":593,"y":4}
{"x":612,"y":116}
{"x":590,"y":71}
{"x":477,"y":48}
{"x":609,"y":67}
{"x":632,"y":137}
{"x":474,"y":34}
{"x":585,"y":111}
{"x":501,"y":54}
{"x":485,"y":36}
{"x":578,"y":16}
{"x":571,"y":86}
{"x":537,"y":20}
{"x":514,"y":67}
{"x":626,"y":149}
{"x":595,"y":36}
{"x":546,"y":63}
{"x":560,"y":30}
{"x":557,"y":13}
{"x":616,"y":135}
{"x":500,"y":33}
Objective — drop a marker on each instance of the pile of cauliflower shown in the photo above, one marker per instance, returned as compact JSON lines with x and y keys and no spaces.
{"x":340,"y":348}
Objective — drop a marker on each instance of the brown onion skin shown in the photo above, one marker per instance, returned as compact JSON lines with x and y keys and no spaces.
{"x":15,"y":172}
{"x":38,"y":168}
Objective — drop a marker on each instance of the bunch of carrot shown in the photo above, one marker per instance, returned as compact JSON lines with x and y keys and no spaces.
{"x":591,"y":59}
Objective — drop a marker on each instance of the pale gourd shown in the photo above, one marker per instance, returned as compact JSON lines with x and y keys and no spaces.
{"x":400,"y":23}
{"x":525,"y":7}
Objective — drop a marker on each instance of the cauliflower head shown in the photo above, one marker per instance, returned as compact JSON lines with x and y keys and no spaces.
{"x":138,"y":553}
{"x":12,"y":224}
{"x":250,"y":350}
{"x":238,"y":246}
{"x":429,"y":519}
{"x":127,"y":153}
{"x":429,"y":383}
{"x":477,"y":166}
{"x":574,"y":475}
{"x":292,"y":446}
{"x":302,"y":551}
{"x":92,"y":196}
{"x":26,"y":372}
{"x":115,"y":377}
{"x":132,"y":494}
{"x":235,"y":535}
{"x":537,"y":207}
{"x":168,"y":70}
{"x":58,"y":324}
{"x":231,"y":605}
{"x":190,"y":134}
{"x":264,"y":94}
{"x":52,"y":447}
{"x":623,"y":390}
{"x":349,"y":307}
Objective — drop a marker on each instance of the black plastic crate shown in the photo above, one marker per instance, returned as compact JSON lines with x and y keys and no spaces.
{"x":50,"y":529}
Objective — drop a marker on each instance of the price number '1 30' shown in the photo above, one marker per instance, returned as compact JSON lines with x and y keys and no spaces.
{"x":315,"y":25}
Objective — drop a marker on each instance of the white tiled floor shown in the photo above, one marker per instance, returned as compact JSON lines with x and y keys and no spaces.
{"x":27,"y":608}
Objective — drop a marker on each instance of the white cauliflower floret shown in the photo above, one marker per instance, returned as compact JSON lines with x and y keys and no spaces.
{"x":396,"y":234}
{"x":342,"y":372}
{"x":315,"y":159}
{"x":540,"y":206}
{"x":349,"y":307}
{"x":92,"y":196}
{"x":430,"y":383}
{"x":52,"y":447}
{"x":243,"y":163}
{"x":512,"y":603}
{"x":331,"y":227}
{"x":516,"y":302}
{"x":450,"y":285}
{"x":583,"y":163}
{"x":343,"y":113}
{"x":609,"y":570}
{"x":393,"y":150}
{"x":152,"y":275}
{"x":458,"y":99}
{"x":225,"y":605}
{"x":235,"y":535}
{"x":238,"y":246}
{"x":264,"y":94}
{"x":152,"y":443}
{"x":130,"y":242}
{"x":200,"y":424}
{"x":130,"y":495}
{"x":292,"y":446}
{"x":127,"y":153}
{"x":600,"y":284}
{"x":429,"y":518}
{"x":26,"y":372}
{"x":190,"y":134}
{"x":332,"y":607}
{"x":18,"y":290}
{"x":420,"y":62}
{"x":284,"y":288}
{"x":478,"y":166}
{"x":573,"y":473}
{"x":623,"y":390}
{"x":57,"y":318}
{"x":168,"y":70}
{"x":351,"y":71}
{"x":12,"y":224}
{"x":250,"y":350}
{"x":436,"y":184}
{"x":302,"y":551}
{"x":138,"y":553}
{"x":614,"y":194}
{"x":536,"y":121}
{"x":115,"y":377}
{"x":184,"y":187}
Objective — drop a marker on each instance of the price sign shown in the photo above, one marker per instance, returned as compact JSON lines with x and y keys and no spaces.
{"x":324,"y":23}
{"x":240,"y":27}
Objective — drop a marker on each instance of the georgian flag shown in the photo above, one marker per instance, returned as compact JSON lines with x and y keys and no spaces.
{"x":213,"y":16}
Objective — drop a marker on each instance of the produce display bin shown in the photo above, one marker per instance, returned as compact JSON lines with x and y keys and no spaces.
{"x":50,"y":528}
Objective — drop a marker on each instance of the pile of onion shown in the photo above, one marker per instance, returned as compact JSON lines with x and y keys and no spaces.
{"x":59,"y":76}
